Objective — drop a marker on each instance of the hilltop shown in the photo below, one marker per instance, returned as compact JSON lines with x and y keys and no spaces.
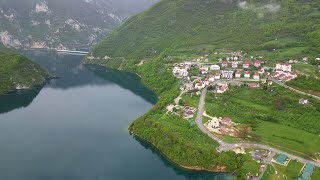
{"x":18,"y":72}
{"x":203,"y":25}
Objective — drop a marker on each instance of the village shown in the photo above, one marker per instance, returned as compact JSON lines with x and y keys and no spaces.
{"x":235,"y":69}
{"x":218,"y":77}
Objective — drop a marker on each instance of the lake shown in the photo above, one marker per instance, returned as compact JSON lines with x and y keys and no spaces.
{"x":75,"y":127}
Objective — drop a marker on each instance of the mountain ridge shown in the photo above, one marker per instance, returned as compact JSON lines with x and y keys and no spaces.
{"x":72,"y":24}
{"x":217,"y":24}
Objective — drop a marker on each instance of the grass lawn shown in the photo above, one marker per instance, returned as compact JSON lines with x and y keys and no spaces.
{"x":291,"y":171}
{"x":191,"y":101}
{"x":286,"y":137}
{"x":316,"y":174}
{"x":276,"y":116}
{"x":307,"y":69}
{"x":270,"y":174}
{"x":251,"y":166}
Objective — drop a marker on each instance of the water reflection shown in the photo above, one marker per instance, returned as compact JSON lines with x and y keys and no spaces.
{"x":18,"y":99}
{"x":73,"y":74}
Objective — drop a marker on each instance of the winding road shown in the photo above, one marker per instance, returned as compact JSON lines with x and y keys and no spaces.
{"x":227,"y":147}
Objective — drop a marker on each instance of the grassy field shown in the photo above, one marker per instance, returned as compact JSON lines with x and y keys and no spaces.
{"x":191,"y":101}
{"x":306,"y":69}
{"x":252,"y":166}
{"x":316,"y":174}
{"x":287,"y":138}
{"x":270,"y":174}
{"x":291,"y":171}
{"x":275,"y":116}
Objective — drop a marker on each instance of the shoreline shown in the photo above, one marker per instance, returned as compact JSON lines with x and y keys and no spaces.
{"x":193,"y":168}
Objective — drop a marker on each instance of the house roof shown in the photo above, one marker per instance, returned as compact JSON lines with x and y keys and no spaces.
{"x":274,"y":74}
{"x":224,"y":62}
{"x":238,"y":72}
{"x":281,"y":158}
{"x":247,"y":62}
{"x":287,"y":78}
{"x":281,"y":76}
{"x":256,"y":74}
{"x":218,"y":74}
{"x":211,"y":76}
{"x":247,"y":72}
{"x":257,"y":62}
{"x":253,"y":85}
{"x":226,"y":119}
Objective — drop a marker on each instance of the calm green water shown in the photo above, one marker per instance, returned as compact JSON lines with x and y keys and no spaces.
{"x":75,"y":127}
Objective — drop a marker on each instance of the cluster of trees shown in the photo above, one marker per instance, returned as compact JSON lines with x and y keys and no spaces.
{"x":217,"y":24}
{"x":16,"y":69}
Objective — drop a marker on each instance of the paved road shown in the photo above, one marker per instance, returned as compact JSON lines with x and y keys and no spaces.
{"x":292,"y":89}
{"x":227,"y":147}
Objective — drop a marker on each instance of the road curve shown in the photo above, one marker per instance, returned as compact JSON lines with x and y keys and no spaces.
{"x":292,"y":89}
{"x":227,"y":147}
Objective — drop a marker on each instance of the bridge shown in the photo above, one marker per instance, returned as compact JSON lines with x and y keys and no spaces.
{"x":73,"y":52}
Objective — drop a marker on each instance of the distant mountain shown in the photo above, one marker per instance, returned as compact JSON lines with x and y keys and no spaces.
{"x":189,"y":25}
{"x":63,"y":24}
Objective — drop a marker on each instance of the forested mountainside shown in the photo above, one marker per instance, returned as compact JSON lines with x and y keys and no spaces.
{"x":18,"y":72}
{"x":217,"y":24}
{"x":63,"y":24}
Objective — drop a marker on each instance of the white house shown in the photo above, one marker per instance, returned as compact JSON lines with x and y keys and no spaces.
{"x":222,"y":89}
{"x":283,"y":67}
{"x":206,"y":81}
{"x":214,"y":123}
{"x":224,"y":64}
{"x":211,"y":78}
{"x":238,"y":74}
{"x":246,"y":64}
{"x":257,"y":63}
{"x":217,"y":76}
{"x":234,"y":64}
{"x":200,"y":85}
{"x":247,"y":74}
{"x":256,"y":76}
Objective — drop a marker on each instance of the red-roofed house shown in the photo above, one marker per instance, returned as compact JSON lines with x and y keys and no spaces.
{"x":226,"y":121}
{"x":235,"y":64}
{"x":246,"y":64}
{"x":253,"y":85}
{"x":206,"y":81}
{"x":224,"y":64}
{"x":256,"y":76}
{"x":211,"y":78}
{"x":281,"y":76}
{"x":238,"y":74}
{"x":247,"y":74}
{"x":287,"y":78}
{"x":257,"y":63}
{"x":217,"y":76}
{"x":200,"y":85}
{"x":293,"y":74}
{"x":275,"y":74}
{"x":283,"y":66}
{"x":222,"y":89}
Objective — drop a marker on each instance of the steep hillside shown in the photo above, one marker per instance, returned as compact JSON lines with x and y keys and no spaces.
{"x":18,"y":72}
{"x":71,"y":24}
{"x":217,"y":24}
